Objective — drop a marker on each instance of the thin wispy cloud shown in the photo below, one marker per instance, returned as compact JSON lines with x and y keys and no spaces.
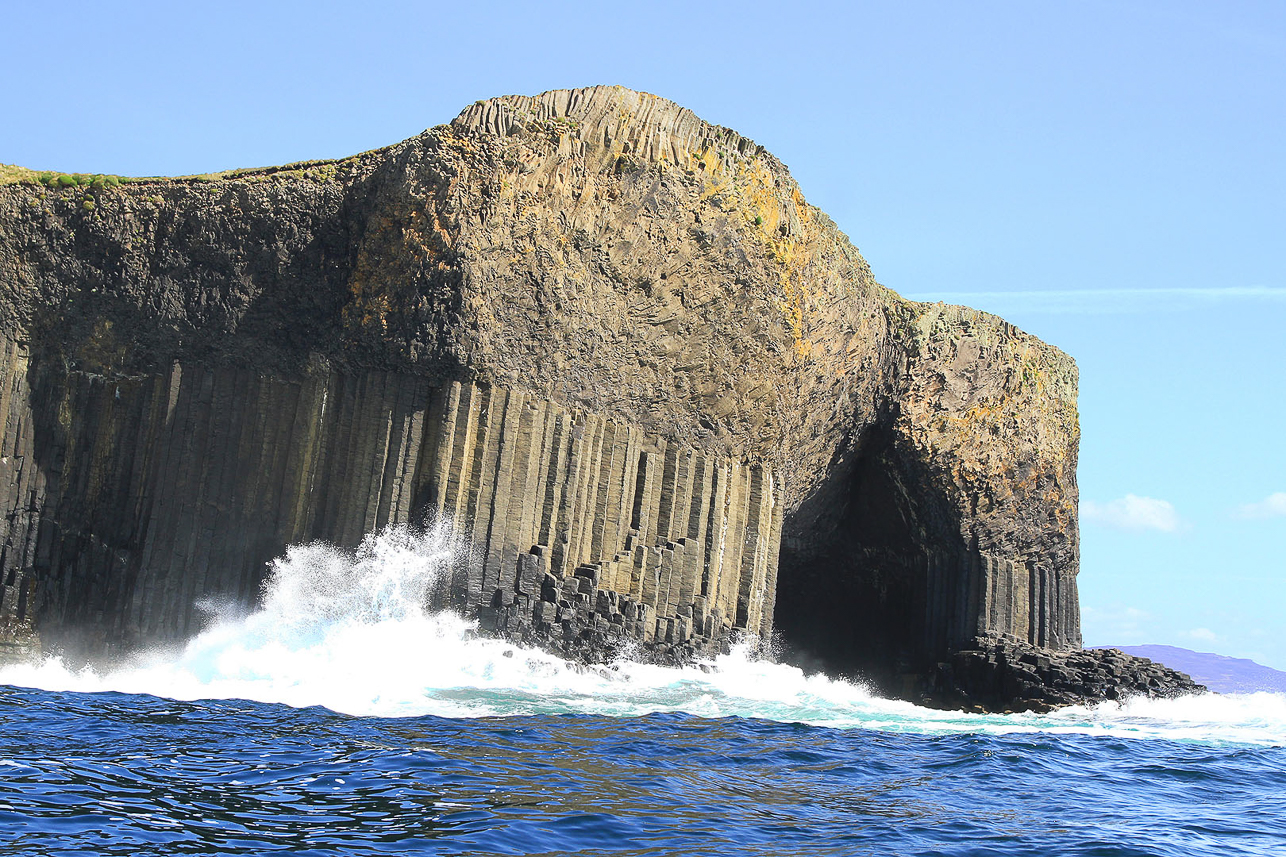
{"x":1272,"y":506}
{"x":1106,"y":301}
{"x":1204,"y":635}
{"x":1115,"y":625}
{"x":1133,"y":514}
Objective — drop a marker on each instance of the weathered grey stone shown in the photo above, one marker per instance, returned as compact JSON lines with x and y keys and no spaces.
{"x":545,"y":613}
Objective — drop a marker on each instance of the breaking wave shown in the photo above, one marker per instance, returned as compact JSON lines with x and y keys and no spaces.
{"x":347,"y":630}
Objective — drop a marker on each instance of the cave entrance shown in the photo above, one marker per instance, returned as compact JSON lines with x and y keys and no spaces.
{"x":862,"y":561}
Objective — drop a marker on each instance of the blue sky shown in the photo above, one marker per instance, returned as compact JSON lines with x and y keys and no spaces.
{"x":1110,"y":176}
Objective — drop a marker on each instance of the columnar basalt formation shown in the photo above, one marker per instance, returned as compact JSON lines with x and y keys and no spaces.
{"x":661,"y":399}
{"x":186,"y":483}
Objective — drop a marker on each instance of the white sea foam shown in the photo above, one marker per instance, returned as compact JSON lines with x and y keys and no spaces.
{"x":347,"y":630}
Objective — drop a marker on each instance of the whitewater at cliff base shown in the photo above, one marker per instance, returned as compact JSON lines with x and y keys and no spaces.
{"x":342,"y":716}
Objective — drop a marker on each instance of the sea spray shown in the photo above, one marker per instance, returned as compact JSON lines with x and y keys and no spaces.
{"x":349,"y":630}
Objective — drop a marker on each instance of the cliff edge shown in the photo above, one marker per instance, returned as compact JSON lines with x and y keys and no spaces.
{"x":661,"y":398}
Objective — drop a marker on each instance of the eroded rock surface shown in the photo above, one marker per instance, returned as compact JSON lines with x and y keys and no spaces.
{"x":1001,"y":675}
{"x":658,"y":393}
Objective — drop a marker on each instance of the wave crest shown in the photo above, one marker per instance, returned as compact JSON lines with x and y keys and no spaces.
{"x":349,"y":630}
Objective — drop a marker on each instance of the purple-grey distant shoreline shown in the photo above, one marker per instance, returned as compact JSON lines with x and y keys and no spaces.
{"x":1220,"y":673}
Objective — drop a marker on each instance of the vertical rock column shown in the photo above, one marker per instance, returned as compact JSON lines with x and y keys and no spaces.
{"x":22,"y":493}
{"x":575,"y":521}
{"x":131,"y":500}
{"x":1028,"y":603}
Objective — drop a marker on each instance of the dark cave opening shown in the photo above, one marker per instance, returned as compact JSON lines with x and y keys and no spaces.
{"x":857,"y":568}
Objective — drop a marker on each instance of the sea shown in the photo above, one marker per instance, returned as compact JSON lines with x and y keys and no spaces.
{"x":342,"y":717}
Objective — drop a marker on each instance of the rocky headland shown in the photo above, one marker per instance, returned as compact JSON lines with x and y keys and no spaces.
{"x":662,"y":399}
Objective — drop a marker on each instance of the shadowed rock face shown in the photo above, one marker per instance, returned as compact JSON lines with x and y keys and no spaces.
{"x":657,"y":393}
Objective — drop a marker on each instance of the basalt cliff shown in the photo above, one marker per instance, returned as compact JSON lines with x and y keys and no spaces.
{"x":661,"y":399}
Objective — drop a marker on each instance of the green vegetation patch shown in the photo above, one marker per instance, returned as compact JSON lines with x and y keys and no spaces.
{"x":95,"y":181}
{"x":10,"y":174}
{"x":17,"y":175}
{"x":317,"y":171}
{"x":98,"y":181}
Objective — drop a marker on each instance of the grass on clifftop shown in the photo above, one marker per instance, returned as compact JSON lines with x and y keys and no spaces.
{"x":17,"y":175}
{"x":315,"y":170}
{"x":10,"y":174}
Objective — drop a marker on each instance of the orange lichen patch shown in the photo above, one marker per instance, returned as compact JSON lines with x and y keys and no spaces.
{"x":718,"y":181}
{"x":795,"y":253}
{"x":1030,"y":416}
{"x":709,"y":160}
{"x":399,"y":249}
{"x":757,"y":188}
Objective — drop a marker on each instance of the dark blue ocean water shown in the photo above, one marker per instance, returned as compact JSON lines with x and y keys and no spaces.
{"x":340,"y":718}
{"x":114,"y":773}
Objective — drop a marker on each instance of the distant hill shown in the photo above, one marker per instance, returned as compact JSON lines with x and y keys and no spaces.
{"x":1220,"y":673}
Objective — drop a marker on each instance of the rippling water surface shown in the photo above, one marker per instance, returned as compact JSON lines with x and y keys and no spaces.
{"x":342,"y":719}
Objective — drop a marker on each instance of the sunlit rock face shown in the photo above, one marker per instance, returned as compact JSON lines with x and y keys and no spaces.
{"x":661,"y":398}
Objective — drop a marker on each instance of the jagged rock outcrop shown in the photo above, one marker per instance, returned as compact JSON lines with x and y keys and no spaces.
{"x":1006,"y":675}
{"x":659,"y":395}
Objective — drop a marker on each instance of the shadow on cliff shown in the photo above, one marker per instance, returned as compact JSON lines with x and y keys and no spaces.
{"x":855,"y":585}
{"x":169,"y":403}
